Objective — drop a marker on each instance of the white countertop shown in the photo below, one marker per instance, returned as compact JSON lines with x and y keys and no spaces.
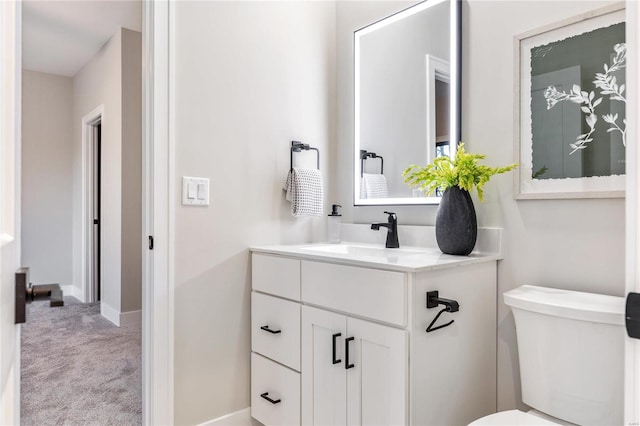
{"x":404,"y":259}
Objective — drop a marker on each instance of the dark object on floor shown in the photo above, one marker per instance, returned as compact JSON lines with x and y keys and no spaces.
{"x":53,"y":292}
{"x":27,"y":293}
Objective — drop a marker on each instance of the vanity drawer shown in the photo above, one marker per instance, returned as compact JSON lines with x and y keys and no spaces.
{"x":280,"y":337}
{"x":282,"y":384}
{"x":276,"y":275}
{"x":371,"y":293}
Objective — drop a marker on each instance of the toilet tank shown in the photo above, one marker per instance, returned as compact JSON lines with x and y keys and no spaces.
{"x":571,"y":351}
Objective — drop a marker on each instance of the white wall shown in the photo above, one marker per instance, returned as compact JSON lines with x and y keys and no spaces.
{"x":113,"y":79}
{"x":248,"y":77}
{"x":572,"y":244}
{"x":47,"y":183}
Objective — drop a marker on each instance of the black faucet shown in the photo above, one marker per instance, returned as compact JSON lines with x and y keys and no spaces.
{"x":392,"y":230}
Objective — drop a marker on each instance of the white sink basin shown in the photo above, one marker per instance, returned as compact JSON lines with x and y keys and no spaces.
{"x":364,"y":251}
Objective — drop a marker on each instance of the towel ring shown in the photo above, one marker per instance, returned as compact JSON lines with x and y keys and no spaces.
{"x":297,"y":146}
{"x":364,"y":154}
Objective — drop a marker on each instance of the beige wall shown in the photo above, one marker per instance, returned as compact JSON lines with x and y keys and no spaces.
{"x":99,"y":83}
{"x":131,"y":230}
{"x":113,"y":79}
{"x":248,"y":77}
{"x":47,"y":177}
{"x":572,"y":244}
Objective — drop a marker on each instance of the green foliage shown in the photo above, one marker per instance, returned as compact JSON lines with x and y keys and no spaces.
{"x":541,"y":172}
{"x":463,"y":171}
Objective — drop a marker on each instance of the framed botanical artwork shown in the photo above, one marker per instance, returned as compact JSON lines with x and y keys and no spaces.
{"x":570,"y":108}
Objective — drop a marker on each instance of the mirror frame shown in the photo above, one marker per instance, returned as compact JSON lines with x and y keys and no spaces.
{"x":455,"y":48}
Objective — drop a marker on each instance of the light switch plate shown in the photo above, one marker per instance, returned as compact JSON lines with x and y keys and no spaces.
{"x":195,"y":191}
{"x":191,"y":190}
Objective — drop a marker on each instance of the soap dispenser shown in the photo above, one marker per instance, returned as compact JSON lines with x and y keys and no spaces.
{"x":334,"y":224}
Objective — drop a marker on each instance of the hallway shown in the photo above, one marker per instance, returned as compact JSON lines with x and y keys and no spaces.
{"x":78,"y":368}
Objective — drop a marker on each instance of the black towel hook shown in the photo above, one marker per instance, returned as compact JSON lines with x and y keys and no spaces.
{"x":449,"y":306}
{"x":431,"y":328}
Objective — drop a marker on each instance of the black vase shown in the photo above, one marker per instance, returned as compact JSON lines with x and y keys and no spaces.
{"x":456,"y":223}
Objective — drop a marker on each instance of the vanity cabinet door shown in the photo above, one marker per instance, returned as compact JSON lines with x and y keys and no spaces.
{"x":377,"y":385}
{"x":361,"y":380}
{"x":324,"y":385}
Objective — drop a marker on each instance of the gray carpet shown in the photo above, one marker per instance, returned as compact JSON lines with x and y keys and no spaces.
{"x":78,"y":368}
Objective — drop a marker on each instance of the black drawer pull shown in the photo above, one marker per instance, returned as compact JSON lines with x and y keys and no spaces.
{"x":333,"y":351}
{"x":266,"y":328}
{"x":273,"y":401}
{"x":346,"y":350}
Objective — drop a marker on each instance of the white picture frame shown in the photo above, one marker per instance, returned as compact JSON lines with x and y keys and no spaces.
{"x":526,"y":184}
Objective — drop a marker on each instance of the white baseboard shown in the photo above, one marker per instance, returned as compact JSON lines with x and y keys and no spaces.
{"x":70,"y":290}
{"x":131,"y":317}
{"x":239,"y":418}
{"x":109,"y":313}
{"x":120,"y":318}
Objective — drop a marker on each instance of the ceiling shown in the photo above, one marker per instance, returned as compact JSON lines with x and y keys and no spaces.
{"x":60,"y":37}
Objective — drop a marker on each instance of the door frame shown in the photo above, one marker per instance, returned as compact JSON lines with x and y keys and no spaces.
{"x":157,"y":220}
{"x":632,"y":244}
{"x":10,"y":195}
{"x":88,"y":122}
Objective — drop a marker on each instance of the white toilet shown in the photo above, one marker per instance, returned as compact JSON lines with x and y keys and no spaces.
{"x":571,"y":350}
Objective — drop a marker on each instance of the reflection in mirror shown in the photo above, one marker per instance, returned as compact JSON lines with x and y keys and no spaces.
{"x":406,"y":99}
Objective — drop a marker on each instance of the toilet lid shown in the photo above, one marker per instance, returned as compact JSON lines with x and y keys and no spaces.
{"x":512,"y":418}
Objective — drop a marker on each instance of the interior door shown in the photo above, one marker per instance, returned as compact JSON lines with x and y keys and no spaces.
{"x":96,"y":185}
{"x":10,"y":97}
{"x":323,"y":368}
{"x":377,"y":385}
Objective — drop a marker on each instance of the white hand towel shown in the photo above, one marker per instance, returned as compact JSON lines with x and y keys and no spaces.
{"x":373,"y":186}
{"x":304,"y":189}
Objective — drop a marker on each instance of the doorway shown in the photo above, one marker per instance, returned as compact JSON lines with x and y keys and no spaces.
{"x":92,"y":148}
{"x":85,"y":155}
{"x":96,"y":131}
{"x":158,"y":286}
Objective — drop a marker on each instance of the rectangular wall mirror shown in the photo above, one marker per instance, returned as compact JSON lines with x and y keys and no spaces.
{"x":407,"y":99}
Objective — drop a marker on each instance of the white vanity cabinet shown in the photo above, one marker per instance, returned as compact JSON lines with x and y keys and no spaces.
{"x":344,"y":343}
